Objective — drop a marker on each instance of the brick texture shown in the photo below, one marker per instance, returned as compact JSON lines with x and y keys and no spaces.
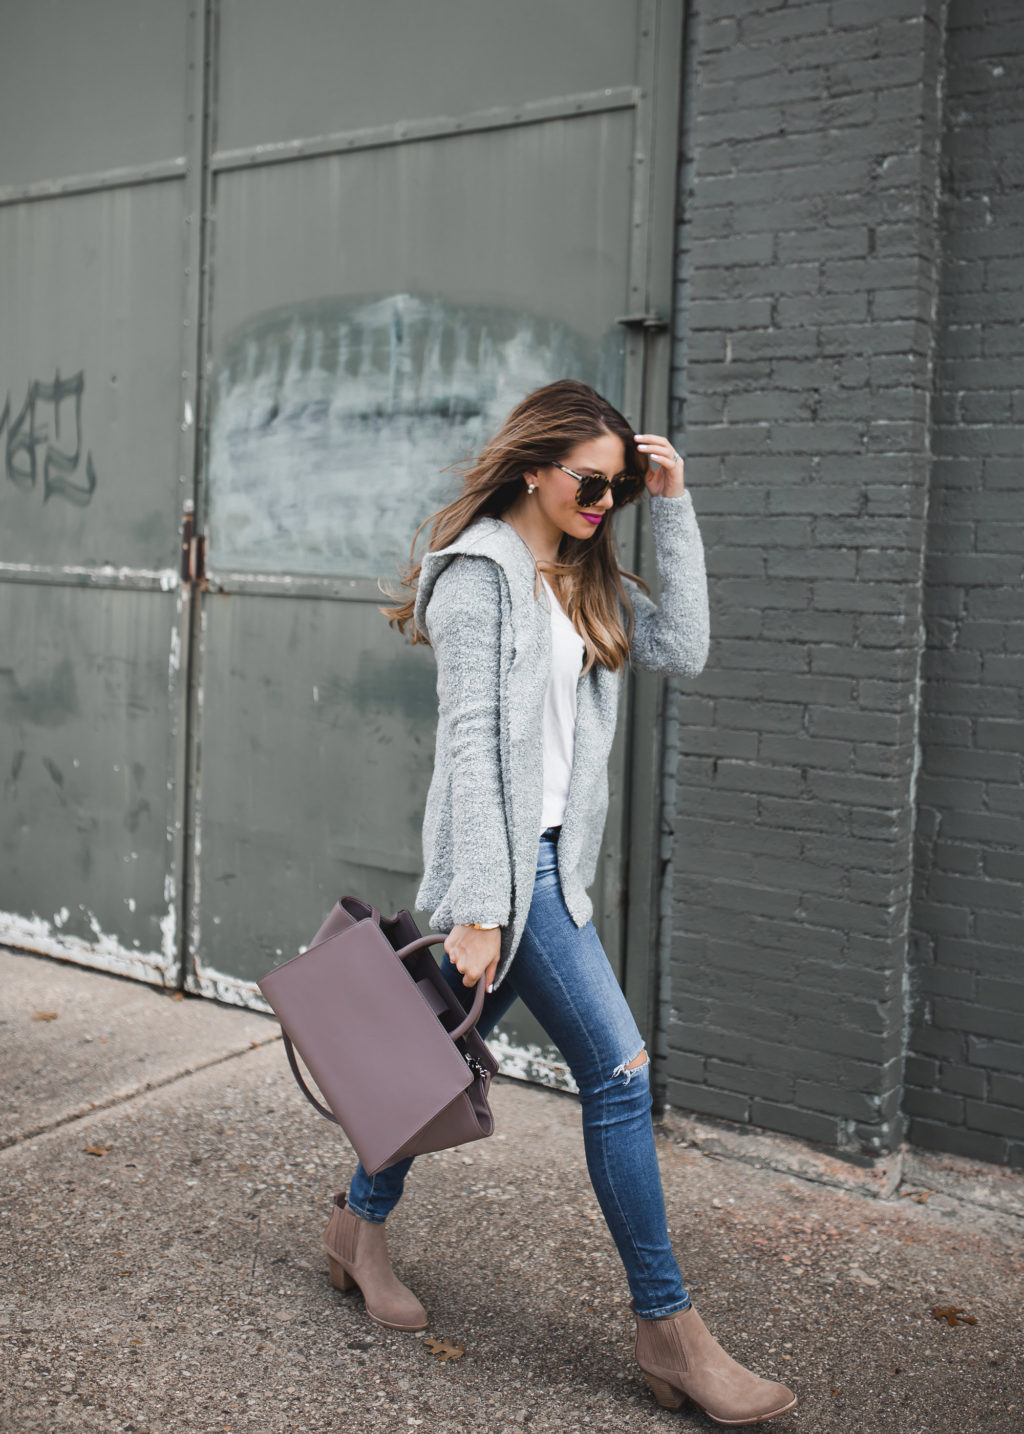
{"x":965,"y":1092}
{"x":805,"y":328}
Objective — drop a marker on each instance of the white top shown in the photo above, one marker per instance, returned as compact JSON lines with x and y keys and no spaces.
{"x":567,"y":650}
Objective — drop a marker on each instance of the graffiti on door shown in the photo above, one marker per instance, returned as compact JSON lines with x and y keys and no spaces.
{"x":49,"y":427}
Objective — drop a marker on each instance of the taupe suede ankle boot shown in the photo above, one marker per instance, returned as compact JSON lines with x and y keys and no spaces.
{"x":357,"y":1254}
{"x":681,"y":1360}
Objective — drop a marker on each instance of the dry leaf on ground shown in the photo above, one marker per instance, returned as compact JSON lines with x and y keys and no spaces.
{"x":444,"y":1349}
{"x":953,"y":1316}
{"x":45,"y":1016}
{"x":96,"y":1149}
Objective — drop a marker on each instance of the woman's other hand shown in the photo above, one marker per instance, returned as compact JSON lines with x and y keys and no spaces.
{"x":665,"y":481}
{"x":475,"y":953}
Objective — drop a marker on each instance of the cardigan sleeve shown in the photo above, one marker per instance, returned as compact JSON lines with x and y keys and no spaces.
{"x":673,"y":636}
{"x":463,"y":620}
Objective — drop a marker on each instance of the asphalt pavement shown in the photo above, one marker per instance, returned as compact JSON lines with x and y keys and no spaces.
{"x":164,"y":1186}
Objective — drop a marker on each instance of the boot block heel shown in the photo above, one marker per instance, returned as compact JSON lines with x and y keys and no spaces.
{"x":340,"y":1277}
{"x":366,"y":1263}
{"x":666,"y":1394}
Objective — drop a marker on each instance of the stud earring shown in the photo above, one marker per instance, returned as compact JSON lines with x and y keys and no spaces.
{"x":531,"y":487}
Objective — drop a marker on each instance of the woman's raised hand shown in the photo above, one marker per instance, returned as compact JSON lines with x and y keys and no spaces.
{"x":475,"y":953}
{"x":665,"y":481}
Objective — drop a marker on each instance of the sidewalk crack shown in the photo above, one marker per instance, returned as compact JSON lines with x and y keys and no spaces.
{"x":22,"y":1137}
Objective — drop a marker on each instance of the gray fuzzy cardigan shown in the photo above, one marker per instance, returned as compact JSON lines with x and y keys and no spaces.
{"x":491,"y":637}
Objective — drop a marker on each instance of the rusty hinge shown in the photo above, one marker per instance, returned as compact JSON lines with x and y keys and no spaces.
{"x":193,"y":550}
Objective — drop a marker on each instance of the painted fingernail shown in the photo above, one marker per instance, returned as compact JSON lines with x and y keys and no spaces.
{"x":490,"y":988}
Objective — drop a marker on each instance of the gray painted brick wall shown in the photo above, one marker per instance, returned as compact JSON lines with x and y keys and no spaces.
{"x":965,"y":1073}
{"x":805,"y":346}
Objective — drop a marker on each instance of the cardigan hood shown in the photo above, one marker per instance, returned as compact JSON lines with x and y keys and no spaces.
{"x":484,"y":538}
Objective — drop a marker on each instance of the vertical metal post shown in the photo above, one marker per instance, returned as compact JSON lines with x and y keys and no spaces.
{"x":653,"y":246}
{"x":200,"y":72}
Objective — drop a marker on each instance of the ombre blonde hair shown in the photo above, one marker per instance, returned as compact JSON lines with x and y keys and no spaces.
{"x":541,"y":430}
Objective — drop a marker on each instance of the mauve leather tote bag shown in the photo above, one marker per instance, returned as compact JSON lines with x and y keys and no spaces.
{"x":392,"y":1050}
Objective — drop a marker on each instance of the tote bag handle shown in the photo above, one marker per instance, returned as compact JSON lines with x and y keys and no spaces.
{"x":478,"y":995}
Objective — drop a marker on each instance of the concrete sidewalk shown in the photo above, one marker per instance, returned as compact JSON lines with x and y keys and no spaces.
{"x":165,"y":1185}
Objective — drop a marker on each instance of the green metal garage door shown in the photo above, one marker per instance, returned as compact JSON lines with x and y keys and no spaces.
{"x":96,"y":372}
{"x":387,"y":222}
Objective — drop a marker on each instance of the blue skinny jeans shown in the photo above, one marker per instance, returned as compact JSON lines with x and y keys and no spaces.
{"x":562,"y":975}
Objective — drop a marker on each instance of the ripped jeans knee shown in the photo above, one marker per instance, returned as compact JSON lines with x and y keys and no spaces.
{"x":629,"y":1069}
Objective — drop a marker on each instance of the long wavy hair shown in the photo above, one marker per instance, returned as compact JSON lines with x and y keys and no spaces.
{"x":543,"y":429}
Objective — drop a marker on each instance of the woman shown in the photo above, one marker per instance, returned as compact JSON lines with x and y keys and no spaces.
{"x":532,"y":622}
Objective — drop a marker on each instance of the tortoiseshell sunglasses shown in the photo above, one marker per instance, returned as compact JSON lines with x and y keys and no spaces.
{"x":593,"y":486}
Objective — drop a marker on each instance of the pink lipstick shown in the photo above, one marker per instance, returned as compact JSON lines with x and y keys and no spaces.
{"x":590,"y":519}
